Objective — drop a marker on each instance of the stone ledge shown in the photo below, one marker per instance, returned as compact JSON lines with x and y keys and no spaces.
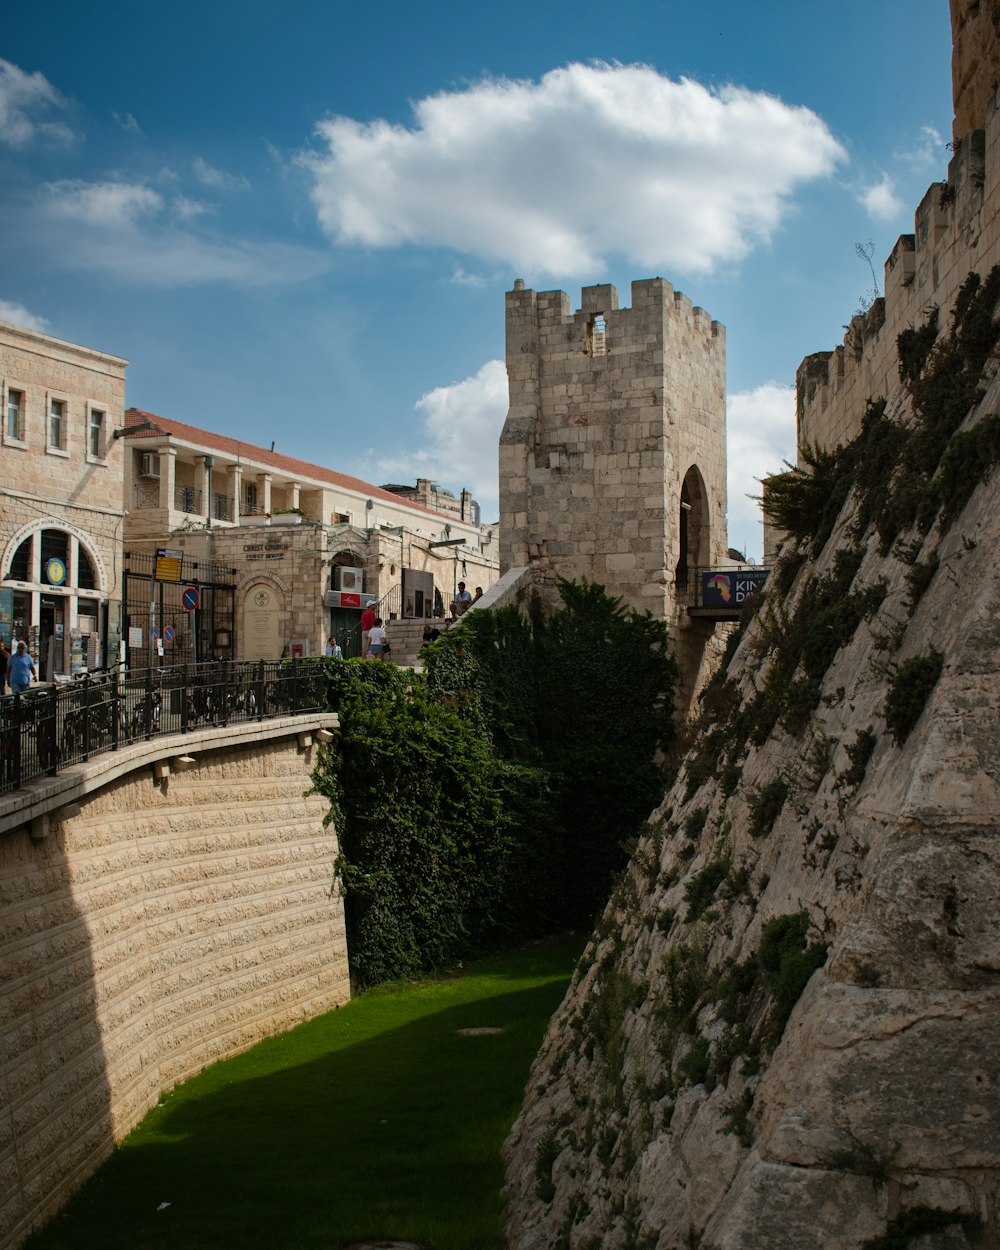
{"x":47,"y":794}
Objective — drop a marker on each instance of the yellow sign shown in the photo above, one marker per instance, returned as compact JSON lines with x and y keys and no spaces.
{"x":168,"y":565}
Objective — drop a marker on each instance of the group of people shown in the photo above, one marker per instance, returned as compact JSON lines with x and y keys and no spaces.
{"x":16,"y":670}
{"x":375,"y":641}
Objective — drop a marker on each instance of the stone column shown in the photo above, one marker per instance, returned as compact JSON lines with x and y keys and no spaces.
{"x":264,"y":492}
{"x":236,"y":489}
{"x":168,"y":477}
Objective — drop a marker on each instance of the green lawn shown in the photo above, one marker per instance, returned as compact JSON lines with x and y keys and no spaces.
{"x":379,"y":1119}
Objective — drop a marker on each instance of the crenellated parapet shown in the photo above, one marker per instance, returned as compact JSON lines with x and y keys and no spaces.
{"x":956,"y":229}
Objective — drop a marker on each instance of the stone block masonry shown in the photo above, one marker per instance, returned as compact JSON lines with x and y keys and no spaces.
{"x":613,"y":454}
{"x":160,"y":929}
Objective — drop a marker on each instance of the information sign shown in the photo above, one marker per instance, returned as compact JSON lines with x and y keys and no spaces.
{"x":168,"y":565}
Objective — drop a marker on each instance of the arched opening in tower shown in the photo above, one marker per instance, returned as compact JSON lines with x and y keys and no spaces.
{"x":693,"y":538}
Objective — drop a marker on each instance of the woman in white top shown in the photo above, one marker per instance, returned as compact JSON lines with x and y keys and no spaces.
{"x":377,"y":640}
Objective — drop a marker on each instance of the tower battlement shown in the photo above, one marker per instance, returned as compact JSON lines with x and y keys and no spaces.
{"x":956,"y":229}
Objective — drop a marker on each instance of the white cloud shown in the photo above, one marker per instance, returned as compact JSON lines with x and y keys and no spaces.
{"x":926,"y":151}
{"x":18,"y":315}
{"x":107,"y":204}
{"x":760,"y":437}
{"x":25,"y":99}
{"x":553,"y":176}
{"x":129,"y":231}
{"x":460,"y":278}
{"x":219,"y":179}
{"x":881,"y":200}
{"x":460,"y":425}
{"x":127,"y":123}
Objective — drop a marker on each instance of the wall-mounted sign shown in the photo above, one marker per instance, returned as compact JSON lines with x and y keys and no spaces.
{"x":168,"y":633}
{"x":190,"y":598}
{"x":730,"y":588}
{"x":135,"y":635}
{"x":55,"y":571}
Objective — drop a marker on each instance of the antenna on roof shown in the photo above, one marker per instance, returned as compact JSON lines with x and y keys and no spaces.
{"x":272,"y":444}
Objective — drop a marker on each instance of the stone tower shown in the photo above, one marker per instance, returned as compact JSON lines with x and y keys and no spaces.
{"x":613,"y":454}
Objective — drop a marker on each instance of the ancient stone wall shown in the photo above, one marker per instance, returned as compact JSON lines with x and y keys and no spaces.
{"x":162,"y":928}
{"x":956,"y":231}
{"x":613,"y":454}
{"x":609,"y":410}
{"x":975,"y":61}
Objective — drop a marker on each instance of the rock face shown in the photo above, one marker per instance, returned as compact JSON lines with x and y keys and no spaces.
{"x":783,"y":1032}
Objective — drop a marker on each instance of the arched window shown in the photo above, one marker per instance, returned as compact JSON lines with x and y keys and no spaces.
{"x":694,"y":539}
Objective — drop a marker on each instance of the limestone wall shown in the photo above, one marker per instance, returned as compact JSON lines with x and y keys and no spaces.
{"x":956,"y":230}
{"x":162,"y":928}
{"x":609,"y":409}
{"x":975,"y":60}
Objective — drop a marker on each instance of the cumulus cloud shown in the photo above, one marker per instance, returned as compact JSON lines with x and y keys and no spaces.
{"x":591,"y":160}
{"x":761,"y":436}
{"x":218,"y":179}
{"x":460,"y":428}
{"x":881,"y":199}
{"x":26,"y":100}
{"x":130,"y":231}
{"x":18,"y":315}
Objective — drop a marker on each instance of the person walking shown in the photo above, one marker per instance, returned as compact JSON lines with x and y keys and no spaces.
{"x":378,"y":642}
{"x":368,"y":619}
{"x":21,"y":669}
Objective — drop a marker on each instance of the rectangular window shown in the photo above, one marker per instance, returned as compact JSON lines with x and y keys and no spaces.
{"x":249,"y":497}
{"x":57,"y":422}
{"x":96,"y":435}
{"x":15,"y":410}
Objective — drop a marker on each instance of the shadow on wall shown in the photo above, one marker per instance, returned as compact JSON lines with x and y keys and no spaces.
{"x":56,"y":1103}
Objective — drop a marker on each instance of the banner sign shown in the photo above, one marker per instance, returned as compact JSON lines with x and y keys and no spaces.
{"x":346,"y":599}
{"x":730,"y":588}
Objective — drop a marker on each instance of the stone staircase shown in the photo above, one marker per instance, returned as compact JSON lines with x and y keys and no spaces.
{"x":405,"y":638}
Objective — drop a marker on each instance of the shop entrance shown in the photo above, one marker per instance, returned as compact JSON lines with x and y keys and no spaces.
{"x":51,"y":637}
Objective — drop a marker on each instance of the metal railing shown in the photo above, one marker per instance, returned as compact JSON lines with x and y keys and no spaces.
{"x":48,"y":728}
{"x":187,"y":499}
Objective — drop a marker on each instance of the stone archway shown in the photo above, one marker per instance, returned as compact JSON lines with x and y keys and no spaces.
{"x":694,"y":545}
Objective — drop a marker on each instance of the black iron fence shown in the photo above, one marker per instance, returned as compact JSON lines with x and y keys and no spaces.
{"x":50,"y":727}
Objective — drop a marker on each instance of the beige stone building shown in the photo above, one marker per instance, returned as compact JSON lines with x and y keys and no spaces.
{"x":613,"y":454}
{"x":283,"y":552}
{"x":61,"y":482}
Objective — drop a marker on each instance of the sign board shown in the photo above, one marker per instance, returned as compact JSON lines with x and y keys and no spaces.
{"x":263,"y":611}
{"x":135,"y":635}
{"x":344,"y":599}
{"x":156,"y":631}
{"x":168,"y":633}
{"x":730,"y":588}
{"x":55,"y":572}
{"x":6,"y":613}
{"x":189,"y":599}
{"x":168,"y":565}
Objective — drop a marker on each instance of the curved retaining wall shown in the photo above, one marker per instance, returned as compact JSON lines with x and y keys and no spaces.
{"x":163,"y":927}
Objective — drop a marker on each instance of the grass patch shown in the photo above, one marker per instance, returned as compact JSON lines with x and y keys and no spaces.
{"x":369,"y":1121}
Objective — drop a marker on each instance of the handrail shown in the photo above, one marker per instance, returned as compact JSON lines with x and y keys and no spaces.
{"x":48,"y":728}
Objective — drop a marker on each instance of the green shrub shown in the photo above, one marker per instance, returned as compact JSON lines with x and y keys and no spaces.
{"x":920,"y":576}
{"x":859,"y":752}
{"x":700,"y":890}
{"x":908,"y":692}
{"x":695,"y":823}
{"x":787,"y":961}
{"x":914,"y":346}
{"x":765,"y":807}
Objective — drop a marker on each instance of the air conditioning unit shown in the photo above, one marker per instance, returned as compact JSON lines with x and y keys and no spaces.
{"x":149,"y":464}
{"x":350,"y":580}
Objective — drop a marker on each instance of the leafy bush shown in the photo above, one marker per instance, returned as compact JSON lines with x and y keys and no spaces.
{"x":700,"y":889}
{"x":787,"y":961}
{"x":765,"y":807}
{"x":490,"y":799}
{"x":908,"y":692}
{"x":859,"y":752}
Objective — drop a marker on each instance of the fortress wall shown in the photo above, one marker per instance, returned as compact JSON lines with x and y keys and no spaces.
{"x":161,"y":929}
{"x":956,"y":230}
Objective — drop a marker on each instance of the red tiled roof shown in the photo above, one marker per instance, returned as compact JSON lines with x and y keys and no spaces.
{"x":289,"y":466}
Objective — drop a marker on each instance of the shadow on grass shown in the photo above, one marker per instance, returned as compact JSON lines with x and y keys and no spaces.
{"x":342,"y":1129}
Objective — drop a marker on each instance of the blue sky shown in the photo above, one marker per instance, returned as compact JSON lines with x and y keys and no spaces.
{"x":298,"y":221}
